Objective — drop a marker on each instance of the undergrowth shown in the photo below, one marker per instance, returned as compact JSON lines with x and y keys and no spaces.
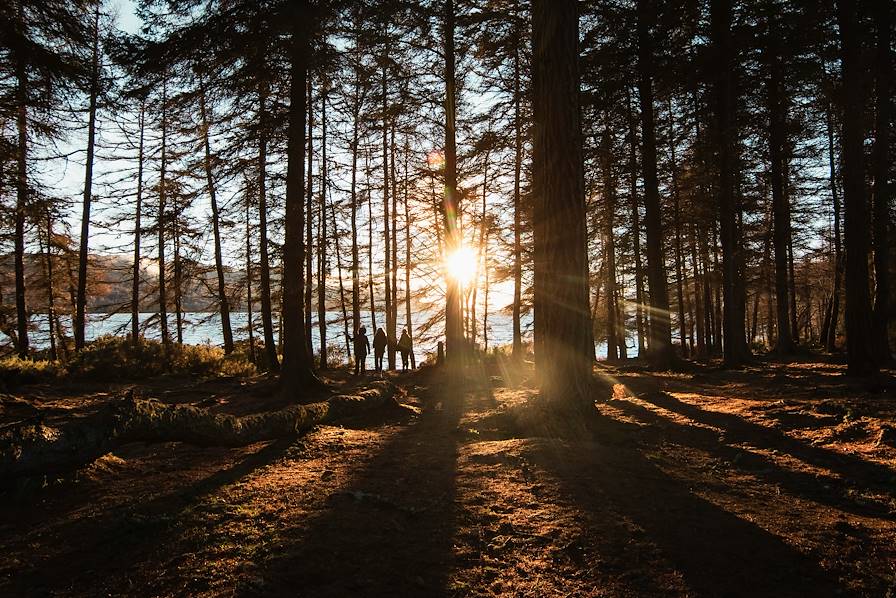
{"x":116,"y":358}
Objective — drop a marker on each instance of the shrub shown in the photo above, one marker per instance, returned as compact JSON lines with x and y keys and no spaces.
{"x":111,"y":357}
{"x":336,"y":356}
{"x":15,"y":370}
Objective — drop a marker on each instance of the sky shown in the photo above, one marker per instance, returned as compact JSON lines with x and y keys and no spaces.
{"x":65,"y":177}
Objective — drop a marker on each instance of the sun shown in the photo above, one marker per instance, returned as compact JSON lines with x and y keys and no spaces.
{"x":461,"y":265}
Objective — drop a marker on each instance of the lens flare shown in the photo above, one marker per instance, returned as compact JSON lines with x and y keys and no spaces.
{"x":435,"y":159}
{"x":461,"y":265}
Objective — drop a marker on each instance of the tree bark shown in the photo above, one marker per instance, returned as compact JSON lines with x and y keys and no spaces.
{"x":736,"y":351}
{"x":370,"y":282}
{"x":763,"y":274}
{"x":309,"y":221}
{"x":223,"y":302}
{"x":342,"y":302}
{"x":700,"y":331}
{"x":454,"y":334}
{"x":859,"y":336}
{"x":660,"y":351}
{"x":777,"y":120}
{"x":48,"y":273}
{"x":481,"y":249}
{"x":679,"y":259}
{"x":298,"y":365}
{"x":163,"y":297}
{"x":21,"y":190}
{"x":881,"y":207}
{"x":34,"y":448}
{"x":81,"y":302}
{"x":387,"y":233}
{"x":264,"y":291}
{"x":138,"y":214}
{"x":830,"y":340}
{"x":517,"y":350}
{"x":356,"y":271}
{"x":393,"y":332}
{"x":409,"y":323}
{"x":609,"y":184}
{"x":791,"y":281}
{"x":322,"y":262}
{"x":636,"y":227}
{"x":562,"y":315}
{"x":178,"y":269}
{"x":250,"y":325}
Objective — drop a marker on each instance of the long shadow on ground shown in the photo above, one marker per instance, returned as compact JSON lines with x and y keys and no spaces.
{"x":824,"y":489}
{"x":740,"y":430}
{"x":715,"y":552}
{"x":124,"y":538}
{"x":380,"y":535}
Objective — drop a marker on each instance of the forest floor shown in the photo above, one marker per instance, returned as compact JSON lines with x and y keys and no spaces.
{"x":774,"y":480}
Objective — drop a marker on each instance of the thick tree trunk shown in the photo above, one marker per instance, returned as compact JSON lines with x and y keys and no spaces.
{"x":81,"y":302}
{"x":454,"y":334}
{"x":138,"y":214}
{"x":660,"y":351}
{"x":32,"y":449}
{"x":562,"y":315}
{"x":881,"y":208}
{"x":859,"y":336}
{"x":298,"y":365}
{"x":736,"y":351}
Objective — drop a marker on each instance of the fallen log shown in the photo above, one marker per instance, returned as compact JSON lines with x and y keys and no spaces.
{"x":34,"y":448}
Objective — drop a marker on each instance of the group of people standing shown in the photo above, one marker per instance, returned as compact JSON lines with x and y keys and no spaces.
{"x":380,"y":344}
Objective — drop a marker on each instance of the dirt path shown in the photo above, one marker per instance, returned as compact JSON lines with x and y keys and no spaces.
{"x":711,"y":486}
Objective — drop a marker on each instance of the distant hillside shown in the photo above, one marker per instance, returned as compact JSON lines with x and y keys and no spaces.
{"x":109,"y":286}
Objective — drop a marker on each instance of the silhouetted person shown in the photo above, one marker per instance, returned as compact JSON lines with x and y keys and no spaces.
{"x":405,"y":346}
{"x":379,"y":348}
{"x":362,"y":348}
